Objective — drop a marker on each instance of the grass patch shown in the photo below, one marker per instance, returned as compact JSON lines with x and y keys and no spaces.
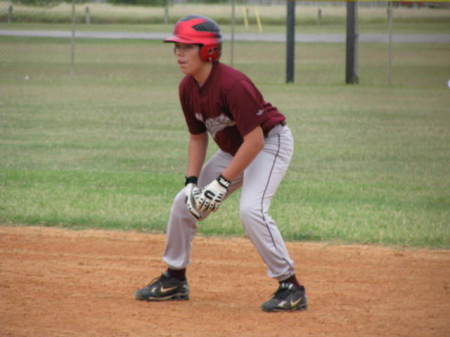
{"x":83,"y":199}
{"x":106,"y":147}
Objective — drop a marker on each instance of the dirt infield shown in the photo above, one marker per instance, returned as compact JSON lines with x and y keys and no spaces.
{"x":56,"y":282}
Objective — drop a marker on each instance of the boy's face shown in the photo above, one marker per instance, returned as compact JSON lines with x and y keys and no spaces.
{"x":188,"y":58}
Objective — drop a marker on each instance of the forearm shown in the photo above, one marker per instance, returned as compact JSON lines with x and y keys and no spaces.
{"x":197,"y":147}
{"x":252,"y":145}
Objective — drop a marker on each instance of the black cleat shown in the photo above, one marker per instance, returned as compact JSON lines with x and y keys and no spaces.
{"x":288,"y":297}
{"x":164,"y":288}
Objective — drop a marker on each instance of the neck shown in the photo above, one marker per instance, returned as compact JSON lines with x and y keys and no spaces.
{"x":202,"y":75}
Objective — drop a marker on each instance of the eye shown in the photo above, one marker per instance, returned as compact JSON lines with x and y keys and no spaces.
{"x":184,"y":47}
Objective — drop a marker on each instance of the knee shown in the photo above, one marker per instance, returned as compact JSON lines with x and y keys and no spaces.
{"x":249,"y":214}
{"x":179,"y":208}
{"x":180,"y":200}
{"x":180,"y":195}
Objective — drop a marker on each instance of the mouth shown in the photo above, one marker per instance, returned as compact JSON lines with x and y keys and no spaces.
{"x":181,"y":62}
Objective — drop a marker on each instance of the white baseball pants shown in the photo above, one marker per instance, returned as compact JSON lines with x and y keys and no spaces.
{"x":258,"y":183}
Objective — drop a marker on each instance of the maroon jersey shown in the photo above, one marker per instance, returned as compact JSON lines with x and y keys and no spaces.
{"x":228,"y":106}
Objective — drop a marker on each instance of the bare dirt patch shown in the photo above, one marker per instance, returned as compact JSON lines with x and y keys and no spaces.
{"x":57,"y":282}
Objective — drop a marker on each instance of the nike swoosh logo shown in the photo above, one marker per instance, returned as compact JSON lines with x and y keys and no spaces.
{"x":260,"y":112}
{"x":166,"y":290}
{"x":294,"y":303}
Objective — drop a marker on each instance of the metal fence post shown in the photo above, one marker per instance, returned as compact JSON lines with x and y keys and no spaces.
{"x":351,"y":64}
{"x":10,"y":13}
{"x":290,"y":41}
{"x":389,"y":12}
{"x":233,"y":24}
{"x":87,"y":15}
{"x":166,"y":12}
{"x":72,"y":41}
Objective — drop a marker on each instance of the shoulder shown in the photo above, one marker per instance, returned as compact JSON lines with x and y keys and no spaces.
{"x":229,"y":74}
{"x":231,"y":78}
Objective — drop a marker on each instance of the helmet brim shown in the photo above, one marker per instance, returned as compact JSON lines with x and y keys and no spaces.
{"x":179,"y":39}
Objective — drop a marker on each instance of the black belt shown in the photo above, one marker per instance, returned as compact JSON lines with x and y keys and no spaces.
{"x":282,"y":123}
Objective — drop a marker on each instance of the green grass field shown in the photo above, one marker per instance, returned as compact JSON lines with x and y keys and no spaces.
{"x":106,"y":146}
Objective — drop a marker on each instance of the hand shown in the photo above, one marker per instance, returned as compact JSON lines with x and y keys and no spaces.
{"x":192,"y":192}
{"x":213,"y":194}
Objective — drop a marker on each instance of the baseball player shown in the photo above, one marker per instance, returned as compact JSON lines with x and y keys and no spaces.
{"x":255,"y":149}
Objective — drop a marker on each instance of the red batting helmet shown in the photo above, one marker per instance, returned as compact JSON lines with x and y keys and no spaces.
{"x":195,"y":29}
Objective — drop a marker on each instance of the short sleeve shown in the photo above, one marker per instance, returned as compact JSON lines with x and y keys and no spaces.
{"x":246,"y":104}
